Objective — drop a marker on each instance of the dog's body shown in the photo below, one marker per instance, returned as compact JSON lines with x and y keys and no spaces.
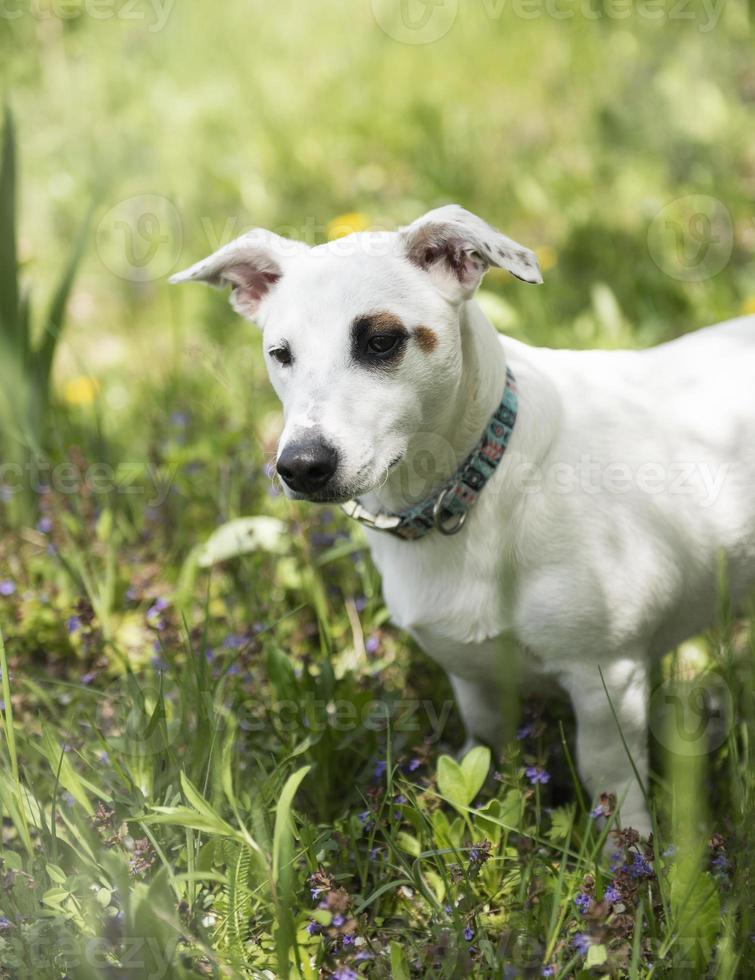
{"x":597,"y":542}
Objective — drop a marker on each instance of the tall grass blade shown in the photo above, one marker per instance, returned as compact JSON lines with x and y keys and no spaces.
{"x":9,"y":323}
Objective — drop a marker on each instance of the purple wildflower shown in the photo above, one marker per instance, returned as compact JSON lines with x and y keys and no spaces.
{"x":7,"y":587}
{"x":154,"y":619}
{"x":73,"y":624}
{"x":720,"y":863}
{"x":372,"y":644}
{"x":598,"y":811}
{"x":612,"y":895}
{"x":547,"y":971}
{"x":44,"y":525}
{"x":348,"y":939}
{"x":469,"y":933}
{"x":583,"y":901}
{"x":4,"y":923}
{"x":536,"y":774}
{"x":616,"y":861}
{"x":413,"y":764}
{"x":379,"y":771}
{"x":525,"y":731}
{"x":479,"y":853}
{"x":581,"y":943}
{"x":313,"y":928}
{"x":338,"y":920}
{"x":640,"y":868}
{"x":233,"y":641}
{"x":344,"y":973}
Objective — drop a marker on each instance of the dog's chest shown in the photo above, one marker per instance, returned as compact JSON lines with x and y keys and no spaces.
{"x":444,"y":595}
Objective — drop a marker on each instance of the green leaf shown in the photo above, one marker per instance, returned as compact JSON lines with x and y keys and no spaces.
{"x":596,"y":956}
{"x":490,"y":828}
{"x":408,"y":843}
{"x":185,"y":816}
{"x":283,"y":836}
{"x":282,"y":833}
{"x":8,"y":258}
{"x":244,"y":535}
{"x":53,"y":871}
{"x":55,"y":896}
{"x":460,"y":783}
{"x":475,"y":765}
{"x":696,"y":905}
{"x":562,"y":820}
{"x":53,"y":326}
{"x":59,"y":761}
{"x":451,"y":782}
{"x":399,"y":964}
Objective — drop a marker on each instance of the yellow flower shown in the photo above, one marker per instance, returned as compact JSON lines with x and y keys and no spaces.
{"x":546,"y":256}
{"x":346,"y":224}
{"x":748,"y":305}
{"x":81,"y":391}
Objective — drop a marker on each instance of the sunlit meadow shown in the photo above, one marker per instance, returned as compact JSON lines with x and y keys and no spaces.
{"x":218,"y":758}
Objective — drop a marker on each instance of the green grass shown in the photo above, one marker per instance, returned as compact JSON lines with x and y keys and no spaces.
{"x":189,"y":749}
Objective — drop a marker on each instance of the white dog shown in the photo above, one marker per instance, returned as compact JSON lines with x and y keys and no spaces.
{"x":551,"y":514}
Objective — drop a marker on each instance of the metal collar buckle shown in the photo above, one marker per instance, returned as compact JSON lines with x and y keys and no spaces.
{"x":446,"y":528}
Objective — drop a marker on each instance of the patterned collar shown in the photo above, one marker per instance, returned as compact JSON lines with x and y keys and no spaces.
{"x":446,"y":511}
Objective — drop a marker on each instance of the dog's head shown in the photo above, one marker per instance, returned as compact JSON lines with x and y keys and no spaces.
{"x":361,"y":337}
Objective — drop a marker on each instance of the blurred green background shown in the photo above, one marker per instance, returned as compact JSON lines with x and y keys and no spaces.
{"x":570,"y":134}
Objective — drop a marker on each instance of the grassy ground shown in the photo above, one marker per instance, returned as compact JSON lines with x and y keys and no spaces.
{"x":234,"y":766}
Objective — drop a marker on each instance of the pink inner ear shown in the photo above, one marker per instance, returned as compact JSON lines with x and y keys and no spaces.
{"x":434,"y":244}
{"x":251,"y":280}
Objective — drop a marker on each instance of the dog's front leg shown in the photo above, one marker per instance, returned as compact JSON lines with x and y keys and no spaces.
{"x":610,"y":731}
{"x":482,"y":709}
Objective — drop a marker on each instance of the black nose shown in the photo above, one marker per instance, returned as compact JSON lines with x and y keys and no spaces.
{"x":307,"y":466}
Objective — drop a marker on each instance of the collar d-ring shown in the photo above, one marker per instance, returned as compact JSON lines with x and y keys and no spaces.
{"x":446,"y":528}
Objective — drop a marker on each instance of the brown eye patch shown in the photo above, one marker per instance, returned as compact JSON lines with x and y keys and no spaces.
{"x":378,"y":340}
{"x":426,"y":338}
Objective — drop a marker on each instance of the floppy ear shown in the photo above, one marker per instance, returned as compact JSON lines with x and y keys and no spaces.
{"x":252,"y":265}
{"x":457,"y":248}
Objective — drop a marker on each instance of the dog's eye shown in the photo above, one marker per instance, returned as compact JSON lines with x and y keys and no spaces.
{"x":281,"y":354}
{"x":381,"y":344}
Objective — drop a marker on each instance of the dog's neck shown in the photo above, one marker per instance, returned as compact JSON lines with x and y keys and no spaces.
{"x":457,"y":423}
